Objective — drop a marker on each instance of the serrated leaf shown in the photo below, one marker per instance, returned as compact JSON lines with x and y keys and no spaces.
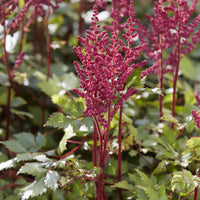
{"x":145,"y":179}
{"x":123,"y":185}
{"x":51,"y":180}
{"x":161,"y":167}
{"x":49,"y":87}
{"x":163,"y":195}
{"x":151,"y":193}
{"x":69,"y":133}
{"x":59,"y":99}
{"x":41,"y":157}
{"x":8,"y":164}
{"x":15,"y":146}
{"x":34,"y":189}
{"x":26,"y":139}
{"x":193,"y":142}
{"x":169,"y":118}
{"x":141,"y":195}
{"x":34,"y":169}
{"x":40,"y":139}
{"x":24,"y":157}
{"x":58,"y":120}
{"x":74,"y":108}
{"x":70,"y":81}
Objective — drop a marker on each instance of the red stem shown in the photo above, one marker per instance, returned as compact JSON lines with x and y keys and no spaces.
{"x":160,"y":75}
{"x":95,"y":154}
{"x":70,"y":152}
{"x":120,"y":149}
{"x":196,"y":189}
{"x":161,"y":78}
{"x":176,"y":72}
{"x":95,"y":146}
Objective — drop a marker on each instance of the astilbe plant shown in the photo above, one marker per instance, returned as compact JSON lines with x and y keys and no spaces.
{"x":106,"y":66}
{"x":18,"y":22}
{"x":172,"y":33}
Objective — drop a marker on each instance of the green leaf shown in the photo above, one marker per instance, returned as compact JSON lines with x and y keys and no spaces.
{"x":59,"y":195}
{"x":49,"y":87}
{"x":21,"y":114}
{"x":141,"y":194}
{"x":20,"y":78}
{"x":34,"y":189}
{"x":4,"y":79}
{"x":187,"y":68}
{"x":51,"y":180}
{"x":123,"y":185}
{"x":134,"y":79}
{"x":184,"y":182}
{"x":58,"y":120}
{"x":42,"y":158}
{"x":24,"y":157}
{"x":74,"y":108}
{"x":69,"y":81}
{"x":26,"y":139}
{"x":147,"y":182}
{"x":169,"y":118}
{"x":4,"y":95}
{"x":12,"y":197}
{"x":193,"y":142}
{"x":59,"y":99}
{"x":17,"y":101}
{"x":15,"y":146}
{"x":163,"y":195}
{"x":151,"y":193}
{"x":69,"y":133}
{"x":40,"y":139}
{"x":8,"y":164}
{"x":34,"y":169}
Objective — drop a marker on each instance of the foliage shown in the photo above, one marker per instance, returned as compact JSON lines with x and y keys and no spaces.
{"x":106,"y":143}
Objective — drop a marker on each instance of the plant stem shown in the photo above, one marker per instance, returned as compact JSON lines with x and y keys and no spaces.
{"x":160,"y":75}
{"x":120,"y":149}
{"x":95,"y":154}
{"x":196,"y":189}
{"x":175,"y":77}
{"x":95,"y":146}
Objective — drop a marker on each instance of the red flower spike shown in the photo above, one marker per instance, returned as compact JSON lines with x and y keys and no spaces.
{"x":105,"y":68}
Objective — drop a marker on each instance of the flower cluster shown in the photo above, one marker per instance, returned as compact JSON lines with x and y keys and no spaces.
{"x":38,"y":10}
{"x":195,"y":115}
{"x":171,"y":29}
{"x":18,"y":62}
{"x":106,"y":66}
{"x":6,"y":8}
